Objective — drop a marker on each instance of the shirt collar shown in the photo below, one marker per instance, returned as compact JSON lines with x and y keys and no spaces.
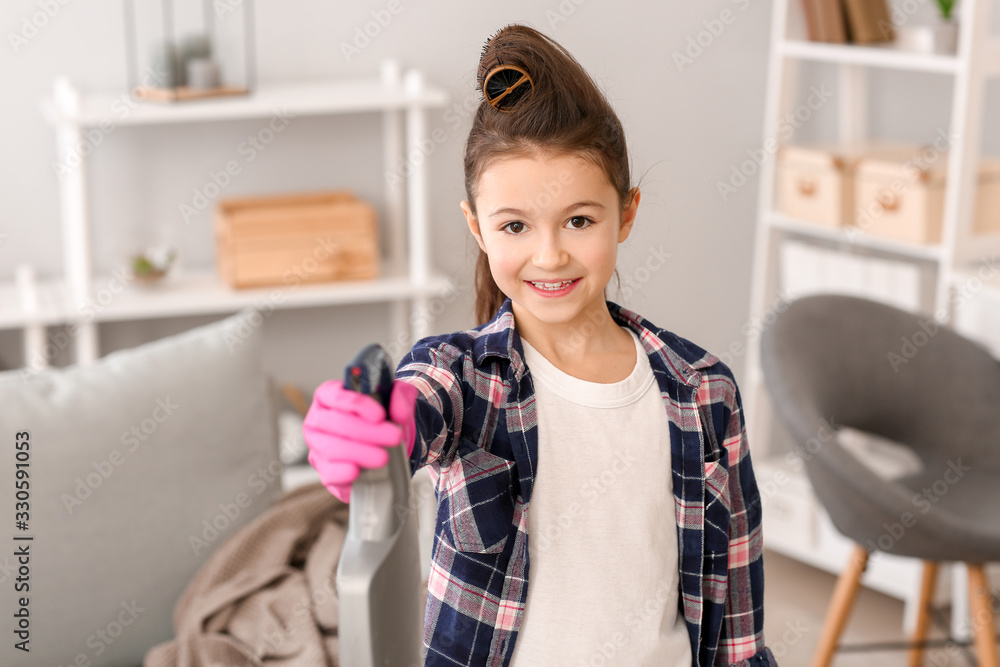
{"x":499,"y":338}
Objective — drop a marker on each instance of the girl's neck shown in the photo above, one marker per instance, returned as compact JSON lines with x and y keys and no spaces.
{"x":588,"y":341}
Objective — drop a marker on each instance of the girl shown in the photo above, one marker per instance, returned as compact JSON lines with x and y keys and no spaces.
{"x":573,"y":444}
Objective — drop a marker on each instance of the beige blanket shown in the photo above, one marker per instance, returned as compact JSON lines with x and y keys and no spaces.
{"x":267,"y":596}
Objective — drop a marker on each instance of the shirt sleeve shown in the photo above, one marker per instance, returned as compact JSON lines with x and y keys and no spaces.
{"x":741,"y":640}
{"x":434,"y":368}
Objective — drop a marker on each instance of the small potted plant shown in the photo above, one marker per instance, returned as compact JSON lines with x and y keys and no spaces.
{"x":946,"y":31}
{"x":151,"y":266}
{"x":941,"y":36}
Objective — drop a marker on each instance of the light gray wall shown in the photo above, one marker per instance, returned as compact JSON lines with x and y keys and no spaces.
{"x":687,"y":127}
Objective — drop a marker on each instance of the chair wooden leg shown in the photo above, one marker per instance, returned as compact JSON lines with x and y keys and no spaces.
{"x":840,"y":606}
{"x":982,"y":617}
{"x":924,"y":611}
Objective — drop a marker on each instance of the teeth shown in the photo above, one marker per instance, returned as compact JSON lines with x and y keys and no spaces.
{"x":552,"y":286}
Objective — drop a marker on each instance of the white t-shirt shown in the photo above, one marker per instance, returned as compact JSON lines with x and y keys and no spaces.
{"x":603,"y":577}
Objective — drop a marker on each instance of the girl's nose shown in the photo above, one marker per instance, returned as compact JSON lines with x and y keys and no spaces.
{"x":550,"y":254}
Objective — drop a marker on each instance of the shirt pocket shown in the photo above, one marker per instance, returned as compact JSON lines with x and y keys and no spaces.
{"x":717,"y":506}
{"x":476,"y":506}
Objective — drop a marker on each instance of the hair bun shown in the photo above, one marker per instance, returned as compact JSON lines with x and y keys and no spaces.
{"x":504,"y":79}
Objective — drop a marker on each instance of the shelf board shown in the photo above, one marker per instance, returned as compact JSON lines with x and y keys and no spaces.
{"x":202,"y":292}
{"x":980,"y":282}
{"x":924,"y":251}
{"x":48,"y":310}
{"x":294,"y":99}
{"x":874,"y":56}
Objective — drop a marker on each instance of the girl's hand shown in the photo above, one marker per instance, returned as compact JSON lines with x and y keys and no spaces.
{"x":346,"y":431}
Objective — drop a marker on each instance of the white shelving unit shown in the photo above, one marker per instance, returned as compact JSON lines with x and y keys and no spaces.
{"x":795,"y":523}
{"x":406,"y":280}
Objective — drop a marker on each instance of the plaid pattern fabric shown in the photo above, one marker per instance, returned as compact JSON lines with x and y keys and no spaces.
{"x":476,"y":426}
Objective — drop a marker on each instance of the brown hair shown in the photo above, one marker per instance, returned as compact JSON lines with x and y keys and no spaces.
{"x":565,"y":112}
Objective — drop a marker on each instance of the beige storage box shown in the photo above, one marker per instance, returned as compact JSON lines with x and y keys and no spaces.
{"x":816,"y":181}
{"x":904,"y":200}
{"x":288,"y":240}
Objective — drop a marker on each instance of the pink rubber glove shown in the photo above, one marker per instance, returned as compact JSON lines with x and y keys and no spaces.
{"x":346,"y":431}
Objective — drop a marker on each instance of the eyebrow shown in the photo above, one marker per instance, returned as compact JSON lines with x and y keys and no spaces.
{"x":571,"y":207}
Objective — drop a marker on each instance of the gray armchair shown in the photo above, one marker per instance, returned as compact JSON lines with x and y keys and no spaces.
{"x":903,"y":377}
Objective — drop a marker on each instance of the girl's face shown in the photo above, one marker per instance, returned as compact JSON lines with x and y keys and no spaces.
{"x":551,"y":228}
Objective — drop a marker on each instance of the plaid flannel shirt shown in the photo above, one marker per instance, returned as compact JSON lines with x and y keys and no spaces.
{"x":476,"y":429}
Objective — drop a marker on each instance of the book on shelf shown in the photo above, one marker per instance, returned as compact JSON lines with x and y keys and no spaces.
{"x":825,"y":21}
{"x":868,"y":21}
{"x":848,"y":21}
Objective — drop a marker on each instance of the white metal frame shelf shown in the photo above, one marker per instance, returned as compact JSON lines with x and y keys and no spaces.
{"x":201,"y":292}
{"x":977,"y":60}
{"x":848,"y":238}
{"x":406,"y":280}
{"x":888,"y":56}
{"x":301,"y":98}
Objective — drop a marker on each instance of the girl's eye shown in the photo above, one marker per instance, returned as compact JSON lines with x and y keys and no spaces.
{"x":580,"y":222}
{"x":515,"y":227}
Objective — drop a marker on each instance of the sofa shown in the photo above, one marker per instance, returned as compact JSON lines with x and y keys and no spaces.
{"x":136,"y":468}
{"x":131,"y":471}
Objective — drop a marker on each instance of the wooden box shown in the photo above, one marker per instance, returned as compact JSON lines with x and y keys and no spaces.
{"x":816,"y":181}
{"x":287,"y":240}
{"x":905,"y":201}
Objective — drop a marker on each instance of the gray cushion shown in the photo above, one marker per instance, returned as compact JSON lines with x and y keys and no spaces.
{"x":141,"y":464}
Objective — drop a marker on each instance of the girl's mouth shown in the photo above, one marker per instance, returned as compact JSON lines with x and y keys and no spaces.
{"x":553,"y":289}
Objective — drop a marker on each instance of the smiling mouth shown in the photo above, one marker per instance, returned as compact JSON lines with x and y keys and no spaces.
{"x":555,"y":286}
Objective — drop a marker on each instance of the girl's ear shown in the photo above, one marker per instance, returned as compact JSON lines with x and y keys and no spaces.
{"x":628,"y":215}
{"x":470,"y":218}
